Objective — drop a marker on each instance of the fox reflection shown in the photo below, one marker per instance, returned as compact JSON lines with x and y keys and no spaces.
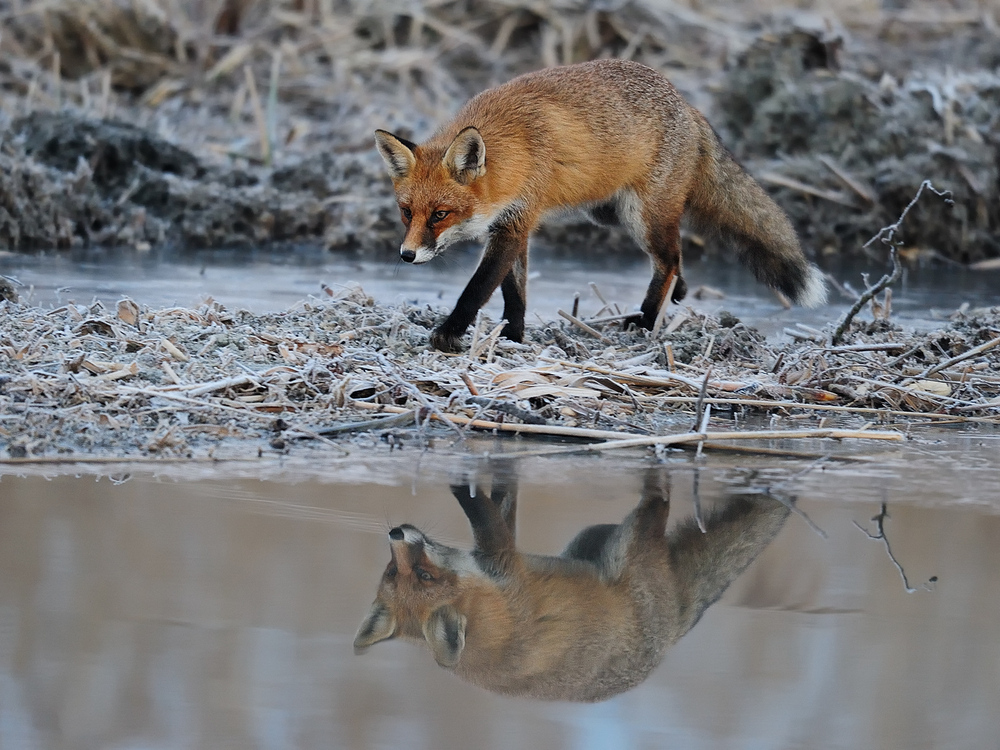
{"x":584,"y":626}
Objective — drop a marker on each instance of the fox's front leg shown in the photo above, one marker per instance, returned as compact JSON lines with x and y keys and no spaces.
{"x":505,"y":259}
{"x":504,"y":494}
{"x":515,"y":296}
{"x":493,"y":535}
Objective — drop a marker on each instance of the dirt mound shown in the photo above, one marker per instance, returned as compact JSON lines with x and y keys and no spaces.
{"x":66,"y":180}
{"x":114,"y":151}
{"x":266,"y":110}
{"x":846,"y":153}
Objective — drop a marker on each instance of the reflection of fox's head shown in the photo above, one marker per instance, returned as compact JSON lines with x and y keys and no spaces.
{"x":416,"y":597}
{"x":439,"y":191}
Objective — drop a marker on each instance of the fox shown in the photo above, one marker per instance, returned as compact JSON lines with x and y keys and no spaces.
{"x":612,"y":138}
{"x":582,"y":626}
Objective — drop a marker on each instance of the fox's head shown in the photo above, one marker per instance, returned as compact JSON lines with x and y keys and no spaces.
{"x":438,"y":192}
{"x":416,"y":597}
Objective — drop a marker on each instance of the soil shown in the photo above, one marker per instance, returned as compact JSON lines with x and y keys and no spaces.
{"x":841,"y":126}
{"x":68,"y":180}
{"x":794,"y":109}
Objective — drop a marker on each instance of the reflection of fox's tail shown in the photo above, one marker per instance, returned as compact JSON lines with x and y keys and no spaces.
{"x":735,"y":534}
{"x":729,"y":201}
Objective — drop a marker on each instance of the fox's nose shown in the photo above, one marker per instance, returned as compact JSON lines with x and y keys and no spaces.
{"x":408,"y":256}
{"x":396,"y":534}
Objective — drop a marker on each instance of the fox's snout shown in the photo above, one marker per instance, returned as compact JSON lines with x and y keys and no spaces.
{"x":408,"y":533}
{"x":419,"y":254}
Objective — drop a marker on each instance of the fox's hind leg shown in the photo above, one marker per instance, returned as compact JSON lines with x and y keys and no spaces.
{"x":651,"y":515}
{"x":590,"y":543}
{"x":636,"y":534}
{"x":656,"y":227}
{"x":515,"y":295}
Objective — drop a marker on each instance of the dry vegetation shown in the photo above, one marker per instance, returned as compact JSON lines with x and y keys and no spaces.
{"x":87,"y":382}
{"x":842,"y":108}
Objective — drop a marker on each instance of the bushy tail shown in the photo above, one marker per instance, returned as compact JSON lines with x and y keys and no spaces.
{"x":735,"y":534}
{"x":729,"y":201}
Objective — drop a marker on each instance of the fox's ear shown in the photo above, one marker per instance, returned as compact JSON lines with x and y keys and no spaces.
{"x":379,"y":625}
{"x":397,"y":153}
{"x":466,"y":156}
{"x":445,"y":633}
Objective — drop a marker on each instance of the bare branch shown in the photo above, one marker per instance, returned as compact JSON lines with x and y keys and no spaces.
{"x":879,"y":534}
{"x":887,"y":235}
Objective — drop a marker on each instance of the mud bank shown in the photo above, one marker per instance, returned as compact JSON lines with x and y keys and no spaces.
{"x":262,"y":132}
{"x":67,"y":180}
{"x":843,"y":152}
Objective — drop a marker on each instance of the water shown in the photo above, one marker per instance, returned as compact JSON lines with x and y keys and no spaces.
{"x":214,"y":606}
{"x":219,"y":612}
{"x":266,"y":281}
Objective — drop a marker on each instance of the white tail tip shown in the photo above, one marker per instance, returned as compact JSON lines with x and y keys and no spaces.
{"x":814,"y":292}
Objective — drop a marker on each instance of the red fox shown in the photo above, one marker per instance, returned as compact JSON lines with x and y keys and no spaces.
{"x":583,"y":626}
{"x":611,"y":137}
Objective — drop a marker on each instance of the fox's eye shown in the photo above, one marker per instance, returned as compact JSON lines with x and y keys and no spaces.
{"x":407,"y":213}
{"x":391,"y":571}
{"x":423,"y":575}
{"x":439,"y":215}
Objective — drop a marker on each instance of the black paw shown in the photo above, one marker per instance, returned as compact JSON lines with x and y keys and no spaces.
{"x":462,"y":492}
{"x":444,"y":341}
{"x":513,"y":332}
{"x":638,"y":320}
{"x":680,"y":290}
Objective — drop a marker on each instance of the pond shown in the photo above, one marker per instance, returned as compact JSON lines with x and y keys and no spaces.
{"x":271,"y":280}
{"x":197,"y":609}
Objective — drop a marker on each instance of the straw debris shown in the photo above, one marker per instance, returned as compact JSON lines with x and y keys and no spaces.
{"x":83,"y":380}
{"x":845,"y":151}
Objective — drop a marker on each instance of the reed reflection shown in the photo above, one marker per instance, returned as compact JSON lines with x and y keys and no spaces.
{"x":585,"y":625}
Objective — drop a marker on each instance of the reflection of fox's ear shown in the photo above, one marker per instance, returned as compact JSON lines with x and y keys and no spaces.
{"x":378,"y":626}
{"x":445,"y":633}
{"x":466,"y":156}
{"x":397,"y":153}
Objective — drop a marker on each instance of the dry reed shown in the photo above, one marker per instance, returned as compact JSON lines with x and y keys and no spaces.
{"x":130,"y":381}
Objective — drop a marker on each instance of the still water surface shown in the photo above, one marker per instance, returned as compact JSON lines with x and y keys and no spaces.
{"x":219,"y":611}
{"x":215,"y":606}
{"x":265,"y":281}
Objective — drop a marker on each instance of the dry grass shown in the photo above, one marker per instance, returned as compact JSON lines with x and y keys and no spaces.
{"x":131,"y":381}
{"x":431,"y":56}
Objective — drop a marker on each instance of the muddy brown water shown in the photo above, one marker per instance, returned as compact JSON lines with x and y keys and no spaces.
{"x":215,"y":606}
